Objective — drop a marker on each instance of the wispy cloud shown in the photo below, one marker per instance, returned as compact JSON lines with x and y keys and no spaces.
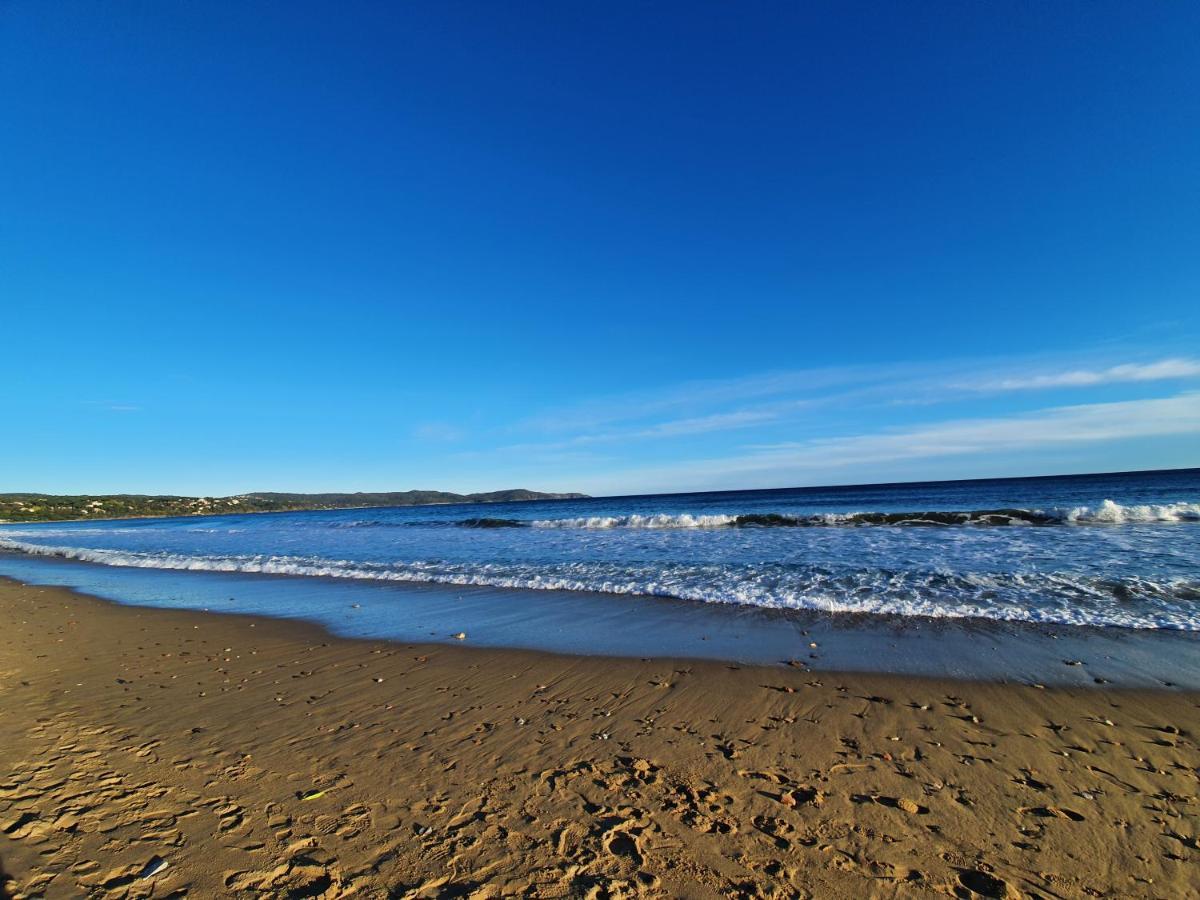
{"x":743,"y":418}
{"x":1058,"y":425}
{"x":687,"y":427}
{"x":805,"y":426}
{"x":689,"y":400}
{"x":697,"y":407}
{"x":111,"y":406}
{"x":438,"y":431}
{"x":1163,"y":370}
{"x":1047,"y":428}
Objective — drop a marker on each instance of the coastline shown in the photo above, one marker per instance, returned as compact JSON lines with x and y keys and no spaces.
{"x":268,"y":512}
{"x":131,"y":732}
{"x":584,"y":623}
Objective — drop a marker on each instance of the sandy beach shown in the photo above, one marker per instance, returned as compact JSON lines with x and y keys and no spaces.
{"x":261,"y":757}
{"x":600,"y":451}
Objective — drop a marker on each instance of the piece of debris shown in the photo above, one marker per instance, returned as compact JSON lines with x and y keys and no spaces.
{"x":153,"y":867}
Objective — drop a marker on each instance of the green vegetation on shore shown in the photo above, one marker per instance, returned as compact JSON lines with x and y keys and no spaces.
{"x":50,"y":507}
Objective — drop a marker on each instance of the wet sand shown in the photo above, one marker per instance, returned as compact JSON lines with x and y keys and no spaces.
{"x":260,"y":757}
{"x":585,"y":623}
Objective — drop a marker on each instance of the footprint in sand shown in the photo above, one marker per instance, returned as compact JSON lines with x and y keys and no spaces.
{"x":301,"y":876}
{"x":230,"y":817}
{"x":802,"y":796}
{"x":977,"y":883}
{"x":775,"y":829}
{"x":773,"y":777}
{"x":354,"y":820}
{"x":905,"y":805}
{"x":622,"y":842}
{"x":895,"y":874}
{"x":21,"y":826}
{"x":570,"y":840}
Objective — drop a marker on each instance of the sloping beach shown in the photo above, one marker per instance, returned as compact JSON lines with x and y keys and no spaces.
{"x":262,"y":757}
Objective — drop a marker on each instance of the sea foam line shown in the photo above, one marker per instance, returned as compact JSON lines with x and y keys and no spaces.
{"x":1061,"y":598}
{"x":1106,"y":513}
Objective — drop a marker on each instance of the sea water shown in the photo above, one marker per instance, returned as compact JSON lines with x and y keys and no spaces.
{"x":1118,"y":551}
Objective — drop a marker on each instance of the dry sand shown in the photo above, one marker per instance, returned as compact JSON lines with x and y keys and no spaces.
{"x":265,"y":758}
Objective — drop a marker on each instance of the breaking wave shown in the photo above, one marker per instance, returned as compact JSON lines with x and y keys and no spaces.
{"x":1105,"y":513}
{"x":660,"y":520}
{"x":1047,"y":597}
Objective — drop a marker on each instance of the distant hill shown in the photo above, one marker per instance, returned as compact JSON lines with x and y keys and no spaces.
{"x":51,"y":507}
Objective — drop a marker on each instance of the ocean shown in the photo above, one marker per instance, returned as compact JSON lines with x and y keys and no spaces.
{"x":1118,"y":552}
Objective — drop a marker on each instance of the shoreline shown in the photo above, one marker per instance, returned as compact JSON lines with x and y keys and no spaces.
{"x":313,"y":632}
{"x":614,"y":625}
{"x":267,"y":512}
{"x":264,"y":757}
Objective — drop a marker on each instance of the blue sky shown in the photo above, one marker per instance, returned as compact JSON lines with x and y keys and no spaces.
{"x":600,"y":247}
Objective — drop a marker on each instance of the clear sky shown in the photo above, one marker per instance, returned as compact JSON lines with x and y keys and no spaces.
{"x":594,"y":246}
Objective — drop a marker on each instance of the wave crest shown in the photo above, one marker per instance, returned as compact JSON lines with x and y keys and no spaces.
{"x":1105,"y":513}
{"x":656,"y":520}
{"x":1061,"y":598}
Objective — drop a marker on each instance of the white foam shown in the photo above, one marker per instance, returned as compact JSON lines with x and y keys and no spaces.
{"x":1111,"y":513}
{"x":1032,"y":597}
{"x":1107,"y":512}
{"x":656,"y":520}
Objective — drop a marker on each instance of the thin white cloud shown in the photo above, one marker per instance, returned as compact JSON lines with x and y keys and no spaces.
{"x":690,"y":399}
{"x":438,"y":431}
{"x":1162,"y":370}
{"x":1047,"y":428}
{"x":596,"y":439}
{"x":699,"y":407}
{"x":689,"y":427}
{"x":112,"y":406}
{"x":741,"y":418}
{"x":1066,"y":424}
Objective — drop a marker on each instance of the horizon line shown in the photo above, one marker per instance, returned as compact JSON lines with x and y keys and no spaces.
{"x":807,"y":487}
